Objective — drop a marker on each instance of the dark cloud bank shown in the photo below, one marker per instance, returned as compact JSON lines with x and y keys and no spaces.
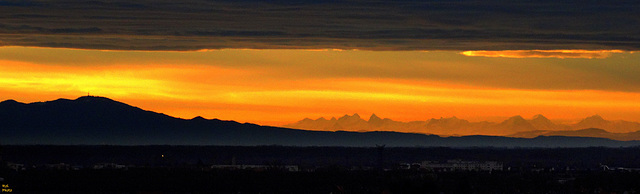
{"x":366,"y":25}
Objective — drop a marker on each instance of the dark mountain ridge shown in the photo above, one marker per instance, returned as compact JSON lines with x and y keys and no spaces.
{"x":94,"y":120}
{"x":590,"y":132}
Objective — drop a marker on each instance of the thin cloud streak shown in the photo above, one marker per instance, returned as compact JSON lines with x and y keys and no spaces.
{"x":562,"y":54}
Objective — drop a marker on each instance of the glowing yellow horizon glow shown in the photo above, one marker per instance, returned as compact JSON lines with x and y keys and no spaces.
{"x":277,"y":87}
{"x":562,"y":54}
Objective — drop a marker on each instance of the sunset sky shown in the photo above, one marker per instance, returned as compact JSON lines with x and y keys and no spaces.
{"x":277,"y":62}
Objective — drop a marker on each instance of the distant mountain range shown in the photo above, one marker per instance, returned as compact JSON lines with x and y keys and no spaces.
{"x":515,"y":126}
{"x":91,"y":120}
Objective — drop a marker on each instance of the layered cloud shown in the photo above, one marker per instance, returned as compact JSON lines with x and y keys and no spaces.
{"x":616,"y":73}
{"x":302,"y":24}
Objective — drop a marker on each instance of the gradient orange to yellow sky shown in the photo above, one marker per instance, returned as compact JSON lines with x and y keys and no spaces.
{"x":276,"y":87}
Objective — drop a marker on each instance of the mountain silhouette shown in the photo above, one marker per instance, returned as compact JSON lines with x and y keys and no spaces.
{"x":92,"y":120}
{"x":596,"y":121}
{"x":448,"y":125}
{"x":516,"y":124}
{"x":540,"y":122}
{"x":593,"y":121}
{"x":375,"y":120}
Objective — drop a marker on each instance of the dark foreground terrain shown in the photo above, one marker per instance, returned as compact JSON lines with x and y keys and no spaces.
{"x":180,"y":180}
{"x":219,"y":169}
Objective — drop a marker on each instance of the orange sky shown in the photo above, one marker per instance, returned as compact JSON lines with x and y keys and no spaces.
{"x":275,"y":87}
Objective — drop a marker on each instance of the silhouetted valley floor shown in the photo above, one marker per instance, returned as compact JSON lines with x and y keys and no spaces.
{"x":331,"y":180}
{"x":219,"y":169}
